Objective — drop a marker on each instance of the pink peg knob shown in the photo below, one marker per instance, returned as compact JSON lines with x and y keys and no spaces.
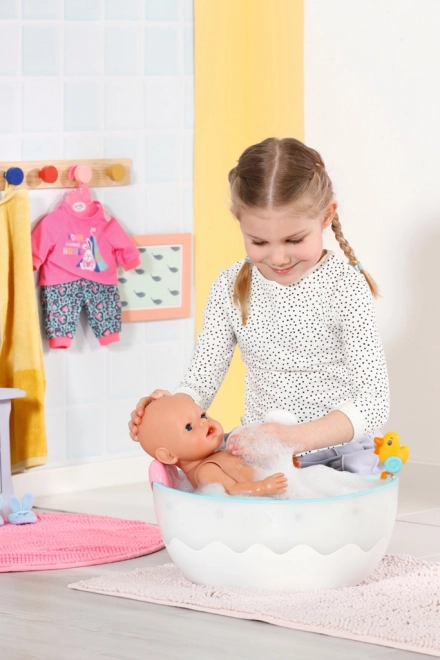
{"x":80,"y":173}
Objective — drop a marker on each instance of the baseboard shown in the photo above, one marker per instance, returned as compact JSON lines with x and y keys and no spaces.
{"x":55,"y":481}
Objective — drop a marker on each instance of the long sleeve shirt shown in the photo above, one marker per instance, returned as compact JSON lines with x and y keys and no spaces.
{"x":70,"y":247}
{"x":309,"y":348}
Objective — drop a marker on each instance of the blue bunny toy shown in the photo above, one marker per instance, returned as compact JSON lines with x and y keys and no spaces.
{"x":21,"y":509}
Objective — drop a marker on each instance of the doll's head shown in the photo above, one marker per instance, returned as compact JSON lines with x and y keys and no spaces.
{"x":174,"y":428}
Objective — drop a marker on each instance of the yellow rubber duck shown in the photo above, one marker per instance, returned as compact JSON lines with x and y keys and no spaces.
{"x":391,"y":454}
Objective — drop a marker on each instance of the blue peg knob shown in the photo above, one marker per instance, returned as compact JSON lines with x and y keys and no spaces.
{"x":14,"y":176}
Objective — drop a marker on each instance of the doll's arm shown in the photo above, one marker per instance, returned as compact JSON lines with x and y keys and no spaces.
{"x":210,"y":473}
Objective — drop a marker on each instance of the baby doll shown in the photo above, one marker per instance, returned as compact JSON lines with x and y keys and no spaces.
{"x":176,"y":431}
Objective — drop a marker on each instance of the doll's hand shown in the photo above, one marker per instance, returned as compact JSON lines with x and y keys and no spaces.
{"x":136,"y":415}
{"x":275,"y":484}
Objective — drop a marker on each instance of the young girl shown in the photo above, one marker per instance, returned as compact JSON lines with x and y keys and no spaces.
{"x":303,"y":318}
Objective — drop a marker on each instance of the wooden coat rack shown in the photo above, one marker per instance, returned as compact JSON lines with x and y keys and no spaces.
{"x":39,"y":174}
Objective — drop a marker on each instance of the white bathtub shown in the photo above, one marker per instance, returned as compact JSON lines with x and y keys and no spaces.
{"x":263,"y":543}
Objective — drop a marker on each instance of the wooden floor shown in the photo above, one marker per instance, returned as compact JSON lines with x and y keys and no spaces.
{"x":40,"y":619}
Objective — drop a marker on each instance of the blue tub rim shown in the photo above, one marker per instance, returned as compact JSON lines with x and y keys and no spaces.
{"x":389,"y":482}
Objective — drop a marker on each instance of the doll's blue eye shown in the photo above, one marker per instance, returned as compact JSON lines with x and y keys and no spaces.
{"x":203,"y":415}
{"x":188,"y":427}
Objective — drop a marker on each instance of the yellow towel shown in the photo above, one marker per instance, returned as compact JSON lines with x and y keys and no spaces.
{"x":21,"y":354}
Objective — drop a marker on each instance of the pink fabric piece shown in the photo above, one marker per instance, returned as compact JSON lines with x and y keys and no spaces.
{"x":109,"y":339}
{"x":60,"y":342}
{"x":66,"y":540}
{"x":69,"y":247}
{"x":397,"y":606}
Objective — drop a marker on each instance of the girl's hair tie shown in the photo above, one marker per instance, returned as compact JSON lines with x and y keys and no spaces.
{"x":248,"y":261}
{"x":358,"y":267}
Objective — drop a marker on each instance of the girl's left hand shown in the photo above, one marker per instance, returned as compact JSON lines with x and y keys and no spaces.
{"x":240,"y":441}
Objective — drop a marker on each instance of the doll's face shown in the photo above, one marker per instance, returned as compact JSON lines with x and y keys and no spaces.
{"x":176,"y":428}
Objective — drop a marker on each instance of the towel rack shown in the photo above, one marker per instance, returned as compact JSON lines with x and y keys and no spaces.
{"x":39,"y":174}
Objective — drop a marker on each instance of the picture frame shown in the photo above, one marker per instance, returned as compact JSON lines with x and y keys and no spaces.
{"x":160,"y":287}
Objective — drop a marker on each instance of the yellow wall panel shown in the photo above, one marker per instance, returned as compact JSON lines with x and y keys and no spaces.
{"x":248,"y":86}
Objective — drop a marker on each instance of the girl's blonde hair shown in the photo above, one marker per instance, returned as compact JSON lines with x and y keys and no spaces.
{"x":275,"y":173}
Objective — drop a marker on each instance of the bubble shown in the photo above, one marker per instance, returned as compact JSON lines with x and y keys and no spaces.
{"x":268,"y":456}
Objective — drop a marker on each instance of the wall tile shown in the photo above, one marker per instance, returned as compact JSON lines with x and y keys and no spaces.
{"x":8,"y":9}
{"x":9,"y":107}
{"x":56,"y":431}
{"x":188,"y":208}
{"x":188,"y":156}
{"x":163,"y":365}
{"x":163,"y":331}
{"x":125,"y":379}
{"x":122,"y":50}
{"x":55,"y":364}
{"x":85,"y":145}
{"x":132,"y":334}
{"x":85,"y":431}
{"x":162,"y":157}
{"x":42,"y":105}
{"x":123,"y":104}
{"x":86,"y":376}
{"x":43,"y":9}
{"x":82,"y":106}
{"x":126,"y":147}
{"x":82,"y":10}
{"x":9,"y":49}
{"x":118,"y":440}
{"x":188,"y":10}
{"x":125,"y":204}
{"x":189,"y":103}
{"x":188,"y":350}
{"x":188,"y":44}
{"x":82,"y":50}
{"x":162,"y":10}
{"x":163,"y":208}
{"x":10,"y":145}
{"x":163,"y":103}
{"x":162,"y":51}
{"x":41,"y":50}
{"x":40,"y":148}
{"x":41,"y":203}
{"x":129,"y":10}
{"x":188,"y":330}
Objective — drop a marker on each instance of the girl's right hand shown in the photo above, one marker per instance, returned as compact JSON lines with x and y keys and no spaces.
{"x":136,"y":415}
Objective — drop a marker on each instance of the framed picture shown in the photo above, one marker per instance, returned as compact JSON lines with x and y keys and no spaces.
{"x":160,"y":287}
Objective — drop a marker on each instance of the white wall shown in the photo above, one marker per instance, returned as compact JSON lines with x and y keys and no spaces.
{"x":372,"y":109}
{"x":91,"y":79}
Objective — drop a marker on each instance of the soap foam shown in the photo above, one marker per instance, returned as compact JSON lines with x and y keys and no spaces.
{"x":268,"y":456}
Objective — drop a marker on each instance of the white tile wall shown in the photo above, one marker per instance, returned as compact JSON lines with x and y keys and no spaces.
{"x":104,"y":79}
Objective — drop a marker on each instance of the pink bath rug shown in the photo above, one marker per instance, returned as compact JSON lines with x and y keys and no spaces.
{"x":67,"y":540}
{"x":397,"y":606}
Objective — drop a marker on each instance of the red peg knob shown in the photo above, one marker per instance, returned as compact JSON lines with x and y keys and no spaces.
{"x":49,"y":174}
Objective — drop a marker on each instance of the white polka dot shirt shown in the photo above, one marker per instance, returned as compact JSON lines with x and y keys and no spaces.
{"x":310,"y":347}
